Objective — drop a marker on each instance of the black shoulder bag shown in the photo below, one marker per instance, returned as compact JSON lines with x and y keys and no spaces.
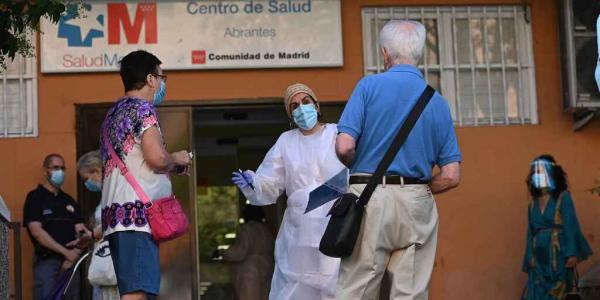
{"x":346,"y":214}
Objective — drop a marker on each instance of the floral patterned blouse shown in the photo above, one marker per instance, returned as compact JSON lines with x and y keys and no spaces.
{"x":125,"y":124}
{"x":125,"y":121}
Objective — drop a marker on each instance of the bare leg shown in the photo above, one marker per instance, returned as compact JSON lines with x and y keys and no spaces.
{"x":134,"y":296}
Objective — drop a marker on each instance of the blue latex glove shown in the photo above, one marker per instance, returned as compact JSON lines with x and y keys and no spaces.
{"x":243,"y":179}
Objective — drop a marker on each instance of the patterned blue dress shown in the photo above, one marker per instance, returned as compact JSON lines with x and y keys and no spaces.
{"x":553,"y":236}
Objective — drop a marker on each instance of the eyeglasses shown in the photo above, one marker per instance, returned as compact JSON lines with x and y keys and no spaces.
{"x":163,"y":77}
{"x":57,"y":168}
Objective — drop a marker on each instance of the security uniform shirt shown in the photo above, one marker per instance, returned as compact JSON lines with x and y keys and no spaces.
{"x":58,"y":214}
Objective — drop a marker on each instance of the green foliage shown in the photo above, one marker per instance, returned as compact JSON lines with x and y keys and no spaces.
{"x":217,"y":215}
{"x":20,"y":18}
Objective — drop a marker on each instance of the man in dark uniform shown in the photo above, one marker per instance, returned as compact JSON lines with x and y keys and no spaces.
{"x":53,"y":220}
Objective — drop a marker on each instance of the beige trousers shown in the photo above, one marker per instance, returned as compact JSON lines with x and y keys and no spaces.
{"x":398,"y":234}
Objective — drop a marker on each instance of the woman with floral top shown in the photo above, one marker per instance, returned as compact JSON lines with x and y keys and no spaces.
{"x":133,"y":131}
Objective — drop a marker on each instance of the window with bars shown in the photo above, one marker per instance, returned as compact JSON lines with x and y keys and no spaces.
{"x":479,"y":57}
{"x":18,"y":98}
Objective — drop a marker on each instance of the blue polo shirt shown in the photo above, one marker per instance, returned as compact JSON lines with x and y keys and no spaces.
{"x":377,"y":109}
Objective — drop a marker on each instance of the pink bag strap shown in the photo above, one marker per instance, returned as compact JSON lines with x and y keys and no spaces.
{"x":128,"y":176}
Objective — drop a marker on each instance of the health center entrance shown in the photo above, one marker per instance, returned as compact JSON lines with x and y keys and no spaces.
{"x":224,"y":138}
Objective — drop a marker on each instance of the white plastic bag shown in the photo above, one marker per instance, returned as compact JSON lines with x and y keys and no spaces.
{"x":102,"y":271}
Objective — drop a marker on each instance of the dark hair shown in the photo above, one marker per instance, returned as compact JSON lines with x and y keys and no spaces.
{"x":49,"y":157}
{"x":252,"y":212}
{"x":135,"y":67}
{"x":558,"y":176}
{"x":319,"y":113}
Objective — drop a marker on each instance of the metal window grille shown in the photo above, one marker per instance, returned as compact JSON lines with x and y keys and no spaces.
{"x":479,"y":57}
{"x":18,"y":99}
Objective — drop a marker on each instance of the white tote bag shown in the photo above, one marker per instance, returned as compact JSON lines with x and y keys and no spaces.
{"x":102,"y":271}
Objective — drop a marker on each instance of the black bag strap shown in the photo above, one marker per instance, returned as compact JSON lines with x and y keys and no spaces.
{"x":400,"y":138}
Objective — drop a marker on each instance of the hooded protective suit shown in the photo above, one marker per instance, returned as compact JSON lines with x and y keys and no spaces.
{"x":297,"y":164}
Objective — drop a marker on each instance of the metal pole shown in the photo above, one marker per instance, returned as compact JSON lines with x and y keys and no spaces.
{"x":18,"y":277}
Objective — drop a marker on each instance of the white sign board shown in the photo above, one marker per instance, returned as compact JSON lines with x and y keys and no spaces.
{"x":196,"y":35}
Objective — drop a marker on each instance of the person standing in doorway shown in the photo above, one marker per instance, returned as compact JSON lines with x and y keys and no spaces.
{"x":53,"y":220}
{"x":252,"y":256}
{"x":555,"y":243}
{"x":399,"y":227}
{"x":301,"y":160}
{"x":133,"y":131}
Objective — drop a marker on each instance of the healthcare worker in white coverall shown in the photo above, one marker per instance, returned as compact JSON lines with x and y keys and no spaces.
{"x":301,"y":160}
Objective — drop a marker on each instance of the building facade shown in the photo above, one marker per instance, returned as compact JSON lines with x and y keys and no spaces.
{"x":497,"y":62}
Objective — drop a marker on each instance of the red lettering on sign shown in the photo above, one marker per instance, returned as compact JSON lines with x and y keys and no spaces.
{"x":118,"y":14}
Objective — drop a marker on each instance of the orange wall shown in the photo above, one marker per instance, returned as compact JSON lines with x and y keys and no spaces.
{"x":482,"y":231}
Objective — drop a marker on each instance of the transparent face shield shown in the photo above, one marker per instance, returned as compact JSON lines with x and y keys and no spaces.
{"x":540,"y":177}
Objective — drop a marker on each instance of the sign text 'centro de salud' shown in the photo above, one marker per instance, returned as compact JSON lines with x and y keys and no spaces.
{"x":195,"y":34}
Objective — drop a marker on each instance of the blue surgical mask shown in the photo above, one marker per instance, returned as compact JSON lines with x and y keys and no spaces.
{"x":57,"y":177}
{"x":540,"y":181}
{"x":305,"y":116}
{"x":159,"y":95}
{"x":92,"y":186}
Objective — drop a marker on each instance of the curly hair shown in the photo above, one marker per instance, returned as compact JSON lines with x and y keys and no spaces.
{"x":558,"y":176}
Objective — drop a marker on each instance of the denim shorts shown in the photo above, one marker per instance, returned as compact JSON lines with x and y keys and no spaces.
{"x":136,"y":260}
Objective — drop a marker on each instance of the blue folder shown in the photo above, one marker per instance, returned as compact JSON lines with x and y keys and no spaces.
{"x":330,"y":190}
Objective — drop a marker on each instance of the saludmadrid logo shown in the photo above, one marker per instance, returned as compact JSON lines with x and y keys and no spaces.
{"x":87,"y":31}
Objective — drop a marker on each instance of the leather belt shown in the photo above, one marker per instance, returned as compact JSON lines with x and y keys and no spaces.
{"x":389,"y":179}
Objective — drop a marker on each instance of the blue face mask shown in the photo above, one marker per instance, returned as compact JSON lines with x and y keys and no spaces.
{"x":541,"y":179}
{"x":92,"y":186}
{"x":305,"y":116}
{"x":159,"y":95}
{"x":57,"y":177}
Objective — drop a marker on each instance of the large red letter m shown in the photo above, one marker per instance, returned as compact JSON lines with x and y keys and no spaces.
{"x":118,"y":15}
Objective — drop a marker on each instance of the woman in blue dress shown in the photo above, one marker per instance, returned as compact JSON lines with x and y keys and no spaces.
{"x":555,"y":243}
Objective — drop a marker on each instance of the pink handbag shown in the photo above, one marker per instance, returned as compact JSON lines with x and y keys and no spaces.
{"x":165,"y":215}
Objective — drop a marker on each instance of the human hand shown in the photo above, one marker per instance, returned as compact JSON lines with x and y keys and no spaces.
{"x":83,"y":242}
{"x":66,"y":264}
{"x":571,"y":262}
{"x":242,"y":179}
{"x":182,"y":158}
{"x":72,"y":254}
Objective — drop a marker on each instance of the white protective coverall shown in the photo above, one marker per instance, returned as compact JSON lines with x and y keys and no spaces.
{"x":297,"y":164}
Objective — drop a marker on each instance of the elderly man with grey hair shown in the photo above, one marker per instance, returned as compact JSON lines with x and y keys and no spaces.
{"x":399,"y":227}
